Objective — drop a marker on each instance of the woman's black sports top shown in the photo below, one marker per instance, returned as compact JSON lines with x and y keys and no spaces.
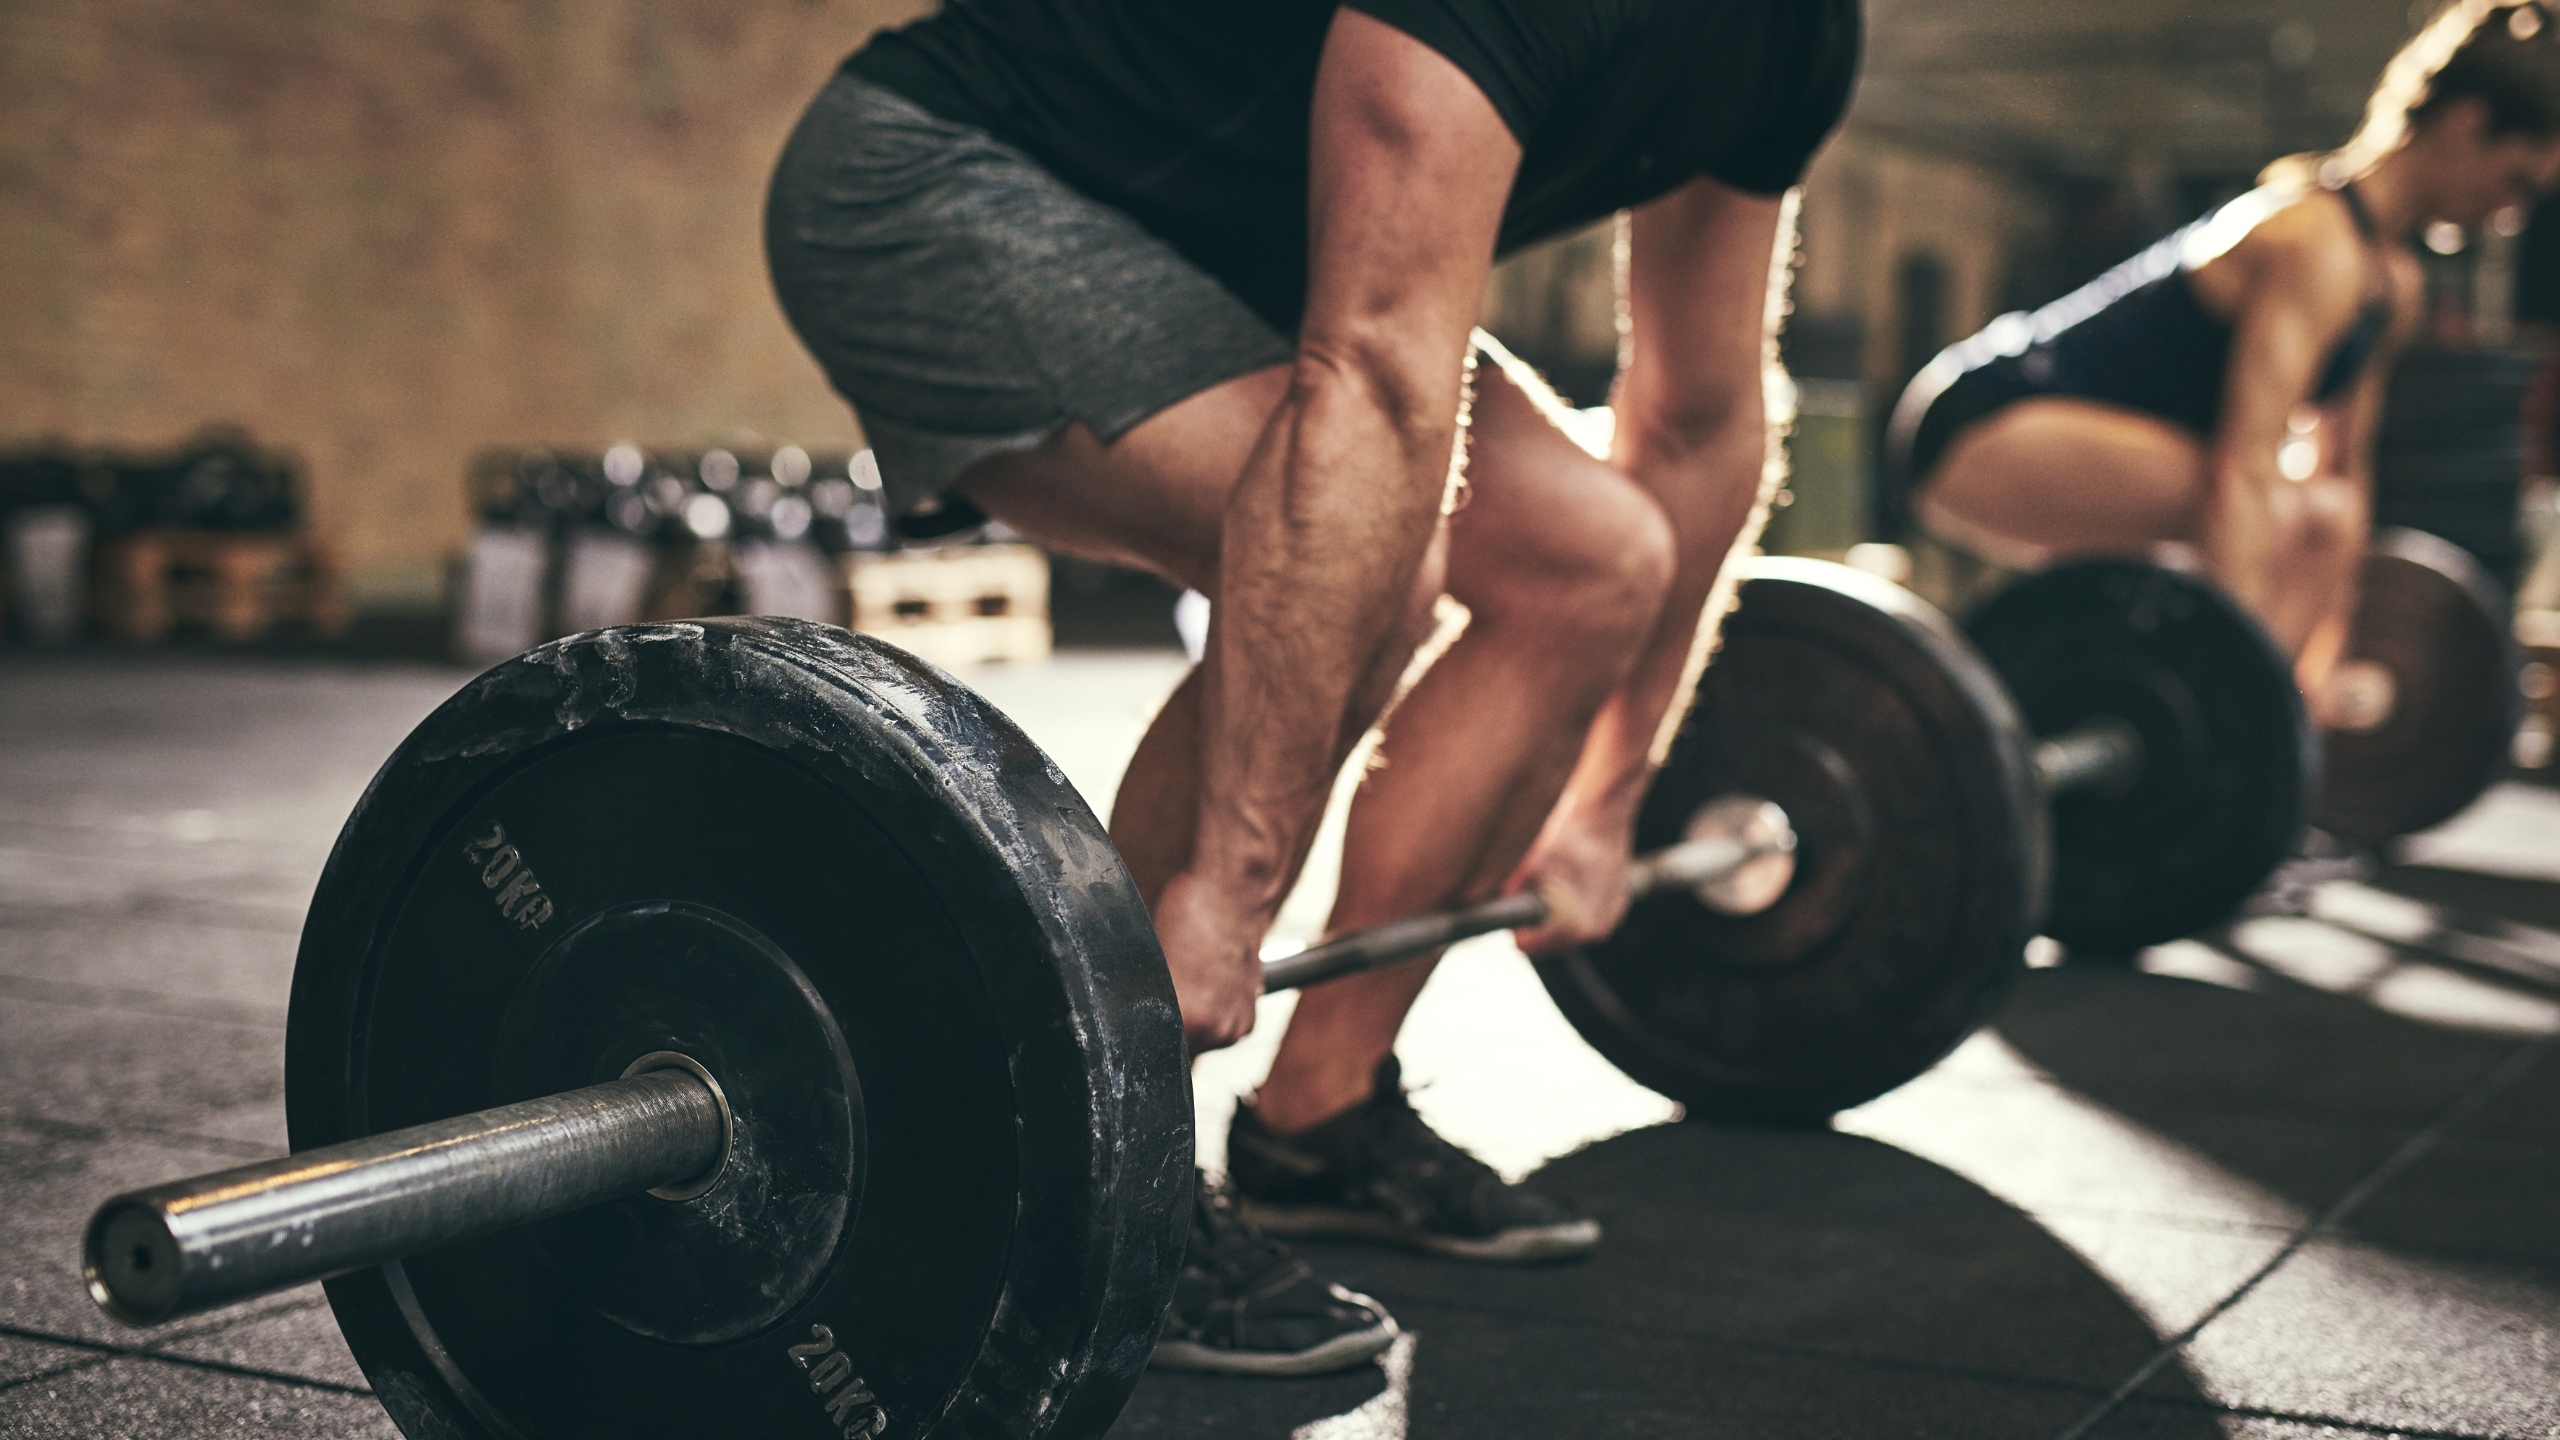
{"x":2136,"y":336}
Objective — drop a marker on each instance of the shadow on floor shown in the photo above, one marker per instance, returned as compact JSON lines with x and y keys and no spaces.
{"x":1758,"y":1283}
{"x":2531,"y":902}
{"x":2304,"y":1090}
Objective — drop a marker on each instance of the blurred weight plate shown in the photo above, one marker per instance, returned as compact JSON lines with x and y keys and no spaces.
{"x":1919,"y":861}
{"x":2227,"y":755}
{"x":962,"y":1143}
{"x":2436,"y":654}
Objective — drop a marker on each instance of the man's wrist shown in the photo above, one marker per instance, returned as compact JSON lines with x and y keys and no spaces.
{"x":1603,"y":809}
{"x":1241,"y":883}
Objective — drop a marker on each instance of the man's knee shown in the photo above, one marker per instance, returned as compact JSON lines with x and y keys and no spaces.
{"x":1645,"y":561}
{"x":1599,"y":578}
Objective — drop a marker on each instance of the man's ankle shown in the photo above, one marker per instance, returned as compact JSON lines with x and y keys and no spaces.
{"x":1294,"y":1109}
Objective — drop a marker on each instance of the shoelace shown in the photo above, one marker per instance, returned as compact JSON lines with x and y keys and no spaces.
{"x":1404,"y":1132}
{"x":1232,"y":1245}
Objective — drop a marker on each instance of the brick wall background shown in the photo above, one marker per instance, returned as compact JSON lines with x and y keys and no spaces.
{"x":390,"y":232}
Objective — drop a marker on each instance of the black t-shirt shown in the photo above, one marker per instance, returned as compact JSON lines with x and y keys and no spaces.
{"x":1193,"y":117}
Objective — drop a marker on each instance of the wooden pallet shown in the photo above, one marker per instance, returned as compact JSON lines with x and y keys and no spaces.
{"x":236,"y":584}
{"x":965,"y":605}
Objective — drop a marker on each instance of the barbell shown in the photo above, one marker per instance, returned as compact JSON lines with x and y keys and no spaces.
{"x":740,"y":1026}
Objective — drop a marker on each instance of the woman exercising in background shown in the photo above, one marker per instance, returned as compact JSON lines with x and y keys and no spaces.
{"x":2222,"y":389}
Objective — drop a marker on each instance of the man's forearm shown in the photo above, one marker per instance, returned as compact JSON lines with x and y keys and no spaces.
{"x":1323,"y":539}
{"x":1715,"y":497}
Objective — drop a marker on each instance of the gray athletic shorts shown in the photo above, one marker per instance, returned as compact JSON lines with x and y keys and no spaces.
{"x":970,"y":303}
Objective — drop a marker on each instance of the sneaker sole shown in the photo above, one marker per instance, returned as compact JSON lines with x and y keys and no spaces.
{"x":1512,"y":1247}
{"x":1342,"y":1352}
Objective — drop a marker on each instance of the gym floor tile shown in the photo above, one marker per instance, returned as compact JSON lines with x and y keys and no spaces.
{"x":1814,"y":1243}
{"x":2052,"y":1151}
{"x":167,"y":994}
{"x":289,"y":1335}
{"x":230,"y":887}
{"x":137,"y":1399}
{"x":1473,"y":1374}
{"x":148,"y":704}
{"x":118,"y":1070}
{"x":289,"y":1338}
{"x":2143,"y":1420}
{"x":2290,"y":1170}
{"x":2158,"y":1048}
{"x":2482,"y":1202}
{"x":22,"y":1357}
{"x":2507,"y":832}
{"x":2171,"y":1275}
{"x":2525,"y":901}
{"x":2367,"y":1335}
{"x":2392,"y":980}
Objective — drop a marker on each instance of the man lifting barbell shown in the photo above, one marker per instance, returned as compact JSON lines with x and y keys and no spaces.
{"x":1194,"y":294}
{"x":2223,"y":389}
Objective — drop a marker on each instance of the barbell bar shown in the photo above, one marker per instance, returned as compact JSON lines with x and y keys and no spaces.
{"x":1737,"y":858}
{"x":1729,"y":839}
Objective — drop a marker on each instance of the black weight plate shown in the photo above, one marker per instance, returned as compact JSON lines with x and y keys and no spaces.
{"x":1855,"y":706}
{"x":661,"y":977}
{"x":2227,"y":754}
{"x":797,"y":840}
{"x":2431,"y":616}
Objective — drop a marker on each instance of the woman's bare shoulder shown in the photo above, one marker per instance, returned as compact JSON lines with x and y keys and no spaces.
{"x":2291,"y":237}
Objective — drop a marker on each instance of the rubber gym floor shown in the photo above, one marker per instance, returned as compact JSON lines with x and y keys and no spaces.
{"x":2281,"y":1181}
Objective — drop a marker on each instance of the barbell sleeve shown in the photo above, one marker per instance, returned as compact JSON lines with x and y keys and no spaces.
{"x":2097,"y":752}
{"x":1703,"y":861}
{"x":1688,"y":865}
{"x":172,"y":1250}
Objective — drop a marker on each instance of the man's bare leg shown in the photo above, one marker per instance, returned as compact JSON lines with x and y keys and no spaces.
{"x":1563,"y":563}
{"x":1158,"y":805}
{"x":1156,"y":499}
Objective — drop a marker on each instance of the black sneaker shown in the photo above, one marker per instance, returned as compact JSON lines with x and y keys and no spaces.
{"x":1246,"y":1306}
{"x":1379,"y":1173}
